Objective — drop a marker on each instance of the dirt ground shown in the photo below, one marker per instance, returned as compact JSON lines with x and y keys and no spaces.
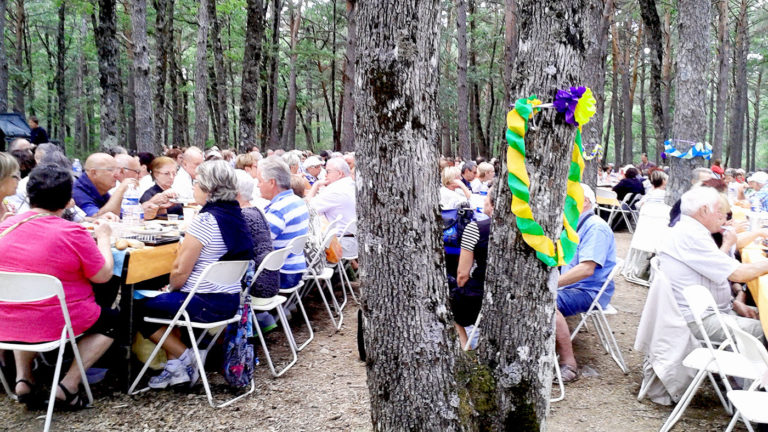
{"x":326,"y":389}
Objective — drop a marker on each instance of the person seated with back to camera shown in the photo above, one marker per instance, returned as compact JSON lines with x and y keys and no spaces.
{"x":218,"y":233}
{"x":582,"y":279}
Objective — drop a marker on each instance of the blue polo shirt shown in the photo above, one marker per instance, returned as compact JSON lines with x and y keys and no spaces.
{"x":87,"y":197}
{"x":596,"y":243}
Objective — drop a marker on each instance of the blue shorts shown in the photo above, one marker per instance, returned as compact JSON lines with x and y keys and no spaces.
{"x":572,"y":301}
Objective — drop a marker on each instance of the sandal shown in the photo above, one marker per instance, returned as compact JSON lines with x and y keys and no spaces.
{"x":72,"y":402}
{"x":30,"y":399}
{"x":569,"y":373}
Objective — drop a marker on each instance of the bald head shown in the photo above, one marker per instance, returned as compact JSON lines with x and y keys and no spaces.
{"x":98,"y":160}
{"x":102,"y":170}
{"x":191,"y":159}
{"x":129,"y":167}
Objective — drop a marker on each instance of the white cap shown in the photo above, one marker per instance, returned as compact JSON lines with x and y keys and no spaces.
{"x":759,"y":177}
{"x":312,"y":161}
{"x":588,"y":193}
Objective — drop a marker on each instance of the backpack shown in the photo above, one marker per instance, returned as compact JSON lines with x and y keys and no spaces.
{"x":239,"y":358}
{"x":454,"y":222}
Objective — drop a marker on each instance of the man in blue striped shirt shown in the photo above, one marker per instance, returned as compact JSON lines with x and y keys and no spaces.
{"x":286,"y":214}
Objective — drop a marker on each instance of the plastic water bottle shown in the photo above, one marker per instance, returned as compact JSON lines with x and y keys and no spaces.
{"x":132,"y":212}
{"x":77,"y":167}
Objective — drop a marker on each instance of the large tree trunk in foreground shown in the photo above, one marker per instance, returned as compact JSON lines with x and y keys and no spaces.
{"x":517,"y":331}
{"x":250,"y":81}
{"x":106,"y":42}
{"x":689,"y":124}
{"x":145,"y":120}
{"x":410,"y":341}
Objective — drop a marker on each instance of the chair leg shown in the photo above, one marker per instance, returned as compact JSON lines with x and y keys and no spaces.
{"x":306,"y":320}
{"x":5,"y":384}
{"x":346,"y":278}
{"x":644,"y":386}
{"x":289,"y":337}
{"x":343,"y":285}
{"x":327,"y":306}
{"x":472,"y":333}
{"x":79,"y":361}
{"x":560,"y":384}
{"x":200,"y":365}
{"x":148,"y":362}
{"x":54,"y":386}
{"x":335,"y":303}
{"x":682,"y":404}
{"x":611,"y":344}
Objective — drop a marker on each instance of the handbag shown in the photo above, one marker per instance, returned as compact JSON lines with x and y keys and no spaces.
{"x":334,"y":251}
{"x":239,"y":358}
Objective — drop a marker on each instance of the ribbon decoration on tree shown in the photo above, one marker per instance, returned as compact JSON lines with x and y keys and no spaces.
{"x":698,"y":149}
{"x":578,"y":105}
{"x":598,"y":150}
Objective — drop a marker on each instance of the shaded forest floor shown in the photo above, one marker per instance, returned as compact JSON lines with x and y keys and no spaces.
{"x":326,"y":389}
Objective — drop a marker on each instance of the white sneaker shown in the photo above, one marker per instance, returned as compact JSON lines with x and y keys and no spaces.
{"x":174,"y":374}
{"x":188,"y":361}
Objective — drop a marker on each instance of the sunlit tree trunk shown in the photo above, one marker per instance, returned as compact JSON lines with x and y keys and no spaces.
{"x":142,"y":87}
{"x":250,"y":82}
{"x":201,"y":76}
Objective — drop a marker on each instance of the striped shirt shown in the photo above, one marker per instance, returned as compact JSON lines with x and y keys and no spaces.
{"x":470,"y":237}
{"x":288,"y":218}
{"x":205,"y":229}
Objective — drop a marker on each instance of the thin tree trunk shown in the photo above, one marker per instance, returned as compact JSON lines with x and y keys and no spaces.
{"x":60,"y":131}
{"x":3,"y":63}
{"x":220,"y":96}
{"x":756,"y":119}
{"x":81,"y":102}
{"x":348,"y":109}
{"x":666,"y":72}
{"x":336,"y":119}
{"x":397,"y":120}
{"x":201,"y":76}
{"x":142,"y":88}
{"x":462,"y":102}
{"x":289,"y":126}
{"x":723,"y":59}
{"x":109,"y":80}
{"x":19,"y":82}
{"x":626,"y":94}
{"x":643,"y":122}
{"x":274,"y":132}
{"x":522,"y":287}
{"x":653,"y":36}
{"x":250,"y":81}
{"x":510,"y":47}
{"x":739,"y":100}
{"x":477,"y":141}
{"x":618,"y":123}
{"x":690,"y":90}
{"x":163,"y":41}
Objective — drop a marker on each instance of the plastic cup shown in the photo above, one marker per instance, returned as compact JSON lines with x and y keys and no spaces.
{"x":173,"y":218}
{"x":189,"y":214}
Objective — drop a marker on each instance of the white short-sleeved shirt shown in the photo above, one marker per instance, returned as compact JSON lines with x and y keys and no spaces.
{"x":451,"y":199}
{"x":689,"y":256}
{"x":337,"y":201}
{"x":206,"y":230}
{"x":182,"y":184}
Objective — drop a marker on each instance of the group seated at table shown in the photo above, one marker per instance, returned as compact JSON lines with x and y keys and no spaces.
{"x":163,"y":171}
{"x":40,"y":241}
{"x":219,"y":232}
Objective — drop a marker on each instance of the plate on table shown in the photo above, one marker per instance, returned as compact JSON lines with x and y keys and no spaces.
{"x":154,"y":229}
{"x":183,"y":201}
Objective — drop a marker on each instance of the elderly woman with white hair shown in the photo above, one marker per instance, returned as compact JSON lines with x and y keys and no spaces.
{"x":219,"y":233}
{"x":293,"y":161}
{"x":453,"y":192}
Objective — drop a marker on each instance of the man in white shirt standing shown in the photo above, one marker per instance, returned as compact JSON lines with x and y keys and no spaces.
{"x":182,"y":184}
{"x":336,"y":199}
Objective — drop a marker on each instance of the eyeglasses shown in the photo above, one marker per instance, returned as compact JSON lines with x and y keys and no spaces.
{"x":17,"y":176}
{"x":165,"y":173}
{"x":131,"y":169}
{"x":195,"y":182}
{"x":110,"y":169}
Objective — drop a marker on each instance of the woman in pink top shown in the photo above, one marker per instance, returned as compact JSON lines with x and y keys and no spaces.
{"x":40,"y":241}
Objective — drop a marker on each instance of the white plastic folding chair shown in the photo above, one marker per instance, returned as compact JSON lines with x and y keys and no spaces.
{"x":323,"y":278}
{"x":297,"y":246}
{"x":218,"y":273}
{"x":273,"y":261}
{"x":750,"y":405}
{"x":650,"y":229}
{"x":708,"y":360}
{"x":346,"y":257}
{"x":604,"y":332}
{"x":615,"y":207}
{"x":28,"y":288}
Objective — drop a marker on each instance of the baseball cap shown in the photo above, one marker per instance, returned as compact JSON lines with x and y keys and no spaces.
{"x":588,"y":193}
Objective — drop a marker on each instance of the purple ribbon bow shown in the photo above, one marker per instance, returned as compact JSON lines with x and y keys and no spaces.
{"x":566,"y":101}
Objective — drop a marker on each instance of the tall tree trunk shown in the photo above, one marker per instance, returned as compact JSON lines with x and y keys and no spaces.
{"x":109,"y":80}
{"x":220,"y":96}
{"x":666,"y":70}
{"x":250,"y":82}
{"x":523,"y":289}
{"x":618,"y":123}
{"x":756,"y":119}
{"x":335,"y":120}
{"x":510,"y":47}
{"x":81,"y":102}
{"x":626,"y":96}
{"x":142,"y":88}
{"x":689,"y":124}
{"x":274,"y":132}
{"x":201,"y":76}
{"x":739,"y":100}
{"x":348,"y":109}
{"x":164,"y":26}
{"x":598,"y":20}
{"x":3,"y":62}
{"x":643,"y":122}
{"x":723,"y":59}
{"x":462,"y":102}
{"x":19,"y":82}
{"x":30,"y":84}
{"x":396,"y":108}
{"x":289,"y":126}
{"x":653,"y":37}
{"x":477,"y":141}
{"x":60,"y":131}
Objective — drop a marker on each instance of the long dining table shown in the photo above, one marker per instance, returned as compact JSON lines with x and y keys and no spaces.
{"x":758,"y":287}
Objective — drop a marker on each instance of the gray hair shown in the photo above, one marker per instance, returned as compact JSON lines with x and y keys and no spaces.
{"x":244,"y":184}
{"x":697,"y":198}
{"x":697,"y":173}
{"x":217,"y":178}
{"x":291,"y":159}
{"x":275,"y":168}
{"x":56,"y":158}
{"x":8,"y":165}
{"x":340,"y":164}
{"x":44,"y":149}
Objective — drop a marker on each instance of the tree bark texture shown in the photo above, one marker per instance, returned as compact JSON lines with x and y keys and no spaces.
{"x":409,"y":337}
{"x":653,"y":37}
{"x":597,"y":22}
{"x":201,"y":76}
{"x":222,"y":108}
{"x":739,"y":99}
{"x":19,"y":81}
{"x":618,"y":122}
{"x":109,"y":80}
{"x":517,"y":330}
{"x":3,"y":61}
{"x":142,"y":87}
{"x":477,"y":140}
{"x":756,"y":118}
{"x":250,"y":81}
{"x":690,"y":120}
{"x":510,"y":47}
{"x":289,"y":126}
{"x":60,"y":130}
{"x":274,"y":71}
{"x":723,"y":60}
{"x":81,"y":101}
{"x":348,"y":109}
{"x":626,"y":94}
{"x":163,"y":39}
{"x":462,"y":103}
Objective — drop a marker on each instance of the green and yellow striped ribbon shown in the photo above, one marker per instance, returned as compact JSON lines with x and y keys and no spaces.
{"x":519,"y":183}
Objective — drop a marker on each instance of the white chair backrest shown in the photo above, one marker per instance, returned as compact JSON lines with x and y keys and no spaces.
{"x":700,"y":300}
{"x":611,"y":275}
{"x":749,"y":346}
{"x":332,"y":226}
{"x":33,"y":287}
{"x":349,"y":228}
{"x":224,"y":272}
{"x":273,"y":261}
{"x":297,"y":244}
{"x":605,"y":193}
